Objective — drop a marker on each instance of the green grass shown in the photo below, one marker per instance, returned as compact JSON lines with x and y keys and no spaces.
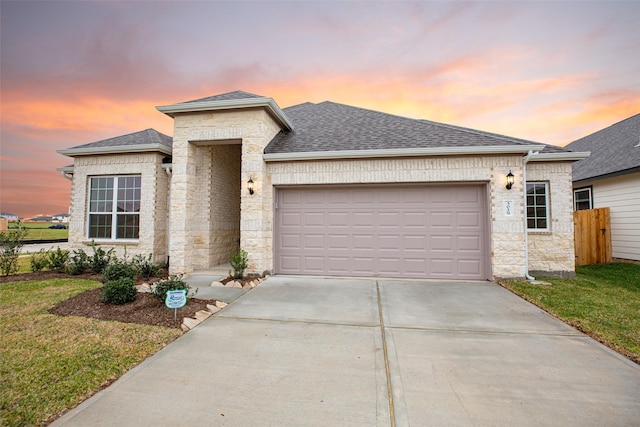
{"x":51,"y":363}
{"x":41,"y":231}
{"x":603,"y":301}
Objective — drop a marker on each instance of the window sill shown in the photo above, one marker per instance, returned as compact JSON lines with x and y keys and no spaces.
{"x":119,"y":242}
{"x":540,"y":232}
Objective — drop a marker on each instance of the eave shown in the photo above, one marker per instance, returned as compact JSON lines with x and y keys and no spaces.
{"x":400,"y":152}
{"x":121,"y":149}
{"x":268,"y":103}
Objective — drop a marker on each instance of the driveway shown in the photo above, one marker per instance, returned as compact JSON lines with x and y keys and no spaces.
{"x":300,"y":351}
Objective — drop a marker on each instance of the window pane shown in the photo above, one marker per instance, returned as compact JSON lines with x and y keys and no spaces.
{"x":100,"y":226}
{"x":128,"y":226}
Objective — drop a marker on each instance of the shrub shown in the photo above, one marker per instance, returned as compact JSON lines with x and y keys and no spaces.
{"x":119,"y":291}
{"x":10,"y":247}
{"x":57,"y":260}
{"x":39,"y":261}
{"x":118,"y":270}
{"x":100,"y":259}
{"x":172,"y":283}
{"x":239,"y":261}
{"x":79,"y":262}
{"x":144,"y":267}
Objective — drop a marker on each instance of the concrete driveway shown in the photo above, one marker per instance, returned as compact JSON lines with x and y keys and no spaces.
{"x":299,"y":351}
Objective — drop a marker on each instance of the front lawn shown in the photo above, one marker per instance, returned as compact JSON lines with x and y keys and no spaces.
{"x":603,"y":301}
{"x":51,"y":363}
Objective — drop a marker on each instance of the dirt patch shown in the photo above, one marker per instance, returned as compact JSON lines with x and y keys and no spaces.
{"x":145,"y":309}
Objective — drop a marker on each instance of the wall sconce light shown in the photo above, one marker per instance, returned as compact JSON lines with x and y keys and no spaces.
{"x":250,"y":186}
{"x":509,"y":180}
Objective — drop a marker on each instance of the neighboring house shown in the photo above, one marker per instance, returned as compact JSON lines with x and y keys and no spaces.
{"x":610,"y":177}
{"x":325,"y":189}
{"x":61,"y":217}
{"x":41,"y":218}
{"x":9,"y":216}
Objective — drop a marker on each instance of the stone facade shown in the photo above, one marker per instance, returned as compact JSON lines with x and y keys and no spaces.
{"x":153,"y":207}
{"x":551,"y":253}
{"x":214,"y":155}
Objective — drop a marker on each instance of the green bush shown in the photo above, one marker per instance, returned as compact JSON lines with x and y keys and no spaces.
{"x":57,"y":260}
{"x":100,"y":258}
{"x":10,"y":247}
{"x":39,"y":261}
{"x":172,"y":283}
{"x":239,"y":262}
{"x":119,"y":291}
{"x":144,"y":267}
{"x":79,"y":262}
{"x":118,"y":270}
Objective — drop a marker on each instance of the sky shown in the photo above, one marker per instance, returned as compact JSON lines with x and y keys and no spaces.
{"x":73,"y":72}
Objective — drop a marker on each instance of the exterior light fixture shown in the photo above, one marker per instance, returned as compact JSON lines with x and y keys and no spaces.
{"x":509,"y":180}
{"x":250,"y":186}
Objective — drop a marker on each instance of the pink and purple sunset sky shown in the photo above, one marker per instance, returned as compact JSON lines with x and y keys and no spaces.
{"x":77,"y":72}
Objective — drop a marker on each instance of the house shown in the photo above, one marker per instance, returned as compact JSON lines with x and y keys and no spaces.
{"x":61,"y":217}
{"x":325,"y":189}
{"x":610,"y":177}
{"x":9,"y":216}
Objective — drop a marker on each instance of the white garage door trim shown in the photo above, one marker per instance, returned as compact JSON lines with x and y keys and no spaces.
{"x":410,"y":231}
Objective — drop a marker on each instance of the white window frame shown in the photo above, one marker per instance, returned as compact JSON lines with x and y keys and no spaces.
{"x":575,"y":202}
{"x":547,"y":201}
{"x":114,"y":208}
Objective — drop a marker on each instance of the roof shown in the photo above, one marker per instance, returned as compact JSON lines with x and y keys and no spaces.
{"x":229,"y":96}
{"x":229,"y":101}
{"x":332,"y":127}
{"x":615,"y":150}
{"x":145,"y":140}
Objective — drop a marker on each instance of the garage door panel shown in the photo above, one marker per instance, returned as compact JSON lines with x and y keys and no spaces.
{"x":291,"y":241}
{"x":394,"y":231}
{"x":441,"y":219}
{"x":313,"y":241}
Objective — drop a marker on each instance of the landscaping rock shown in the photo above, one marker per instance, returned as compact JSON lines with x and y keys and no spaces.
{"x":216,"y":283}
{"x":234,"y":284}
{"x":247,"y":286}
{"x":190,"y":323}
{"x":213,"y":309}
{"x":184,"y":328}
{"x":221,"y":304}
{"x":203,"y":315}
{"x":144,"y":288}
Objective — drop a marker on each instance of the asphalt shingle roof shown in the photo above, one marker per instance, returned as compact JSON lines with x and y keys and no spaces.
{"x":613,"y":149}
{"x":147,"y":136}
{"x":329,"y":126}
{"x":238,"y":94}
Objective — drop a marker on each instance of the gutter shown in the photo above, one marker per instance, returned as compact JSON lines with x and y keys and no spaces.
{"x":66,"y":172}
{"x":399,"y":152}
{"x":91,"y":151}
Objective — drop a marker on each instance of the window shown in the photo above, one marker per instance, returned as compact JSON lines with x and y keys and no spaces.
{"x":537,"y":206}
{"x":582,"y":199}
{"x":114,"y":207}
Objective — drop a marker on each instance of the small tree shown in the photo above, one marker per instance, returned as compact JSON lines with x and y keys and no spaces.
{"x":10,"y":247}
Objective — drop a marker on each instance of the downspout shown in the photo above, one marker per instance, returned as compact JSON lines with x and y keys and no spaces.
{"x":526,"y":232}
{"x":67,"y":175}
{"x":168,"y":169}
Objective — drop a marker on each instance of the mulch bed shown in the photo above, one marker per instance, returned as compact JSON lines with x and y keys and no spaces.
{"x":145,"y":309}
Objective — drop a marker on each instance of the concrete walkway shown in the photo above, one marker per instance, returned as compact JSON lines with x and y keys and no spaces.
{"x":300,"y":351}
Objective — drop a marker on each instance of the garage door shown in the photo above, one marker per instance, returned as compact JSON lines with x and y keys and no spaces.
{"x":388,"y":231}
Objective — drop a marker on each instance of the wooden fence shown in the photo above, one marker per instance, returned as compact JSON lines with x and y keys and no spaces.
{"x":592,"y":234}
